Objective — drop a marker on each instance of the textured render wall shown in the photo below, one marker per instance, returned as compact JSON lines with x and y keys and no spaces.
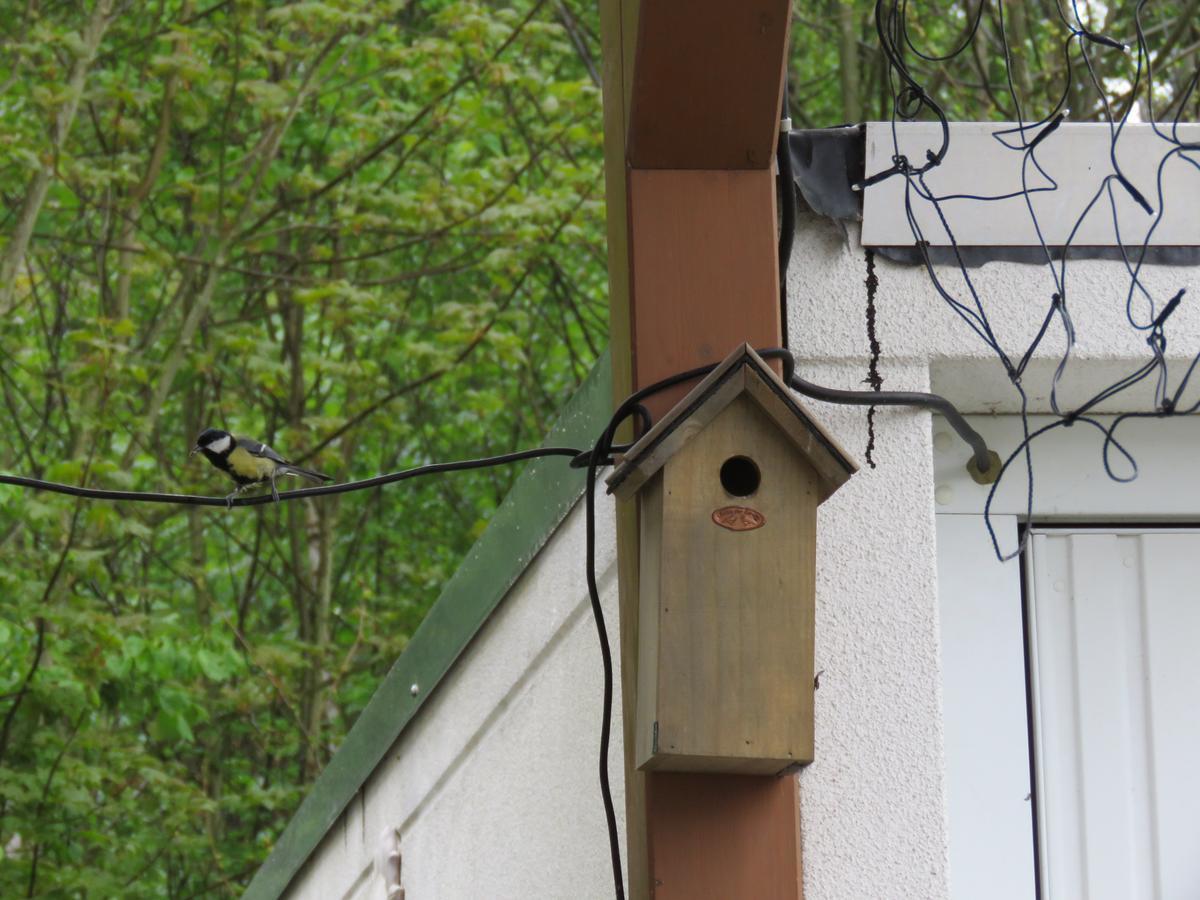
{"x":494,"y":787}
{"x":872,"y":802}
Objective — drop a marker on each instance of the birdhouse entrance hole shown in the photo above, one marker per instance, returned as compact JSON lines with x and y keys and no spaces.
{"x":740,"y":476}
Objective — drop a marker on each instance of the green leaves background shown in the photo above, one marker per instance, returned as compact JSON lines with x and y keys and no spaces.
{"x":366,"y":233}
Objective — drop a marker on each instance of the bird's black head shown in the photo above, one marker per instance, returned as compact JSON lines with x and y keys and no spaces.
{"x":214,"y":443}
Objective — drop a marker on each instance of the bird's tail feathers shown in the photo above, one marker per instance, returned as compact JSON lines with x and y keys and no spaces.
{"x":289,"y":469}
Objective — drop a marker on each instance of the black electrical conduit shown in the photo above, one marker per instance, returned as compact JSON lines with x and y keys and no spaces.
{"x":601,"y":454}
{"x":982,"y":457}
{"x":579,"y":458}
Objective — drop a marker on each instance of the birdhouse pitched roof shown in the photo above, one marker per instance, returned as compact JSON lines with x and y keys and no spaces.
{"x":742,"y":372}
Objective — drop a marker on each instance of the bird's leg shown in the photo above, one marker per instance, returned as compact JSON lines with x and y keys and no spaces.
{"x":229,"y":499}
{"x":274,"y":490}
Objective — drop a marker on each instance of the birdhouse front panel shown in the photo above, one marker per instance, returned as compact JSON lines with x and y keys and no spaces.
{"x":726,"y":619}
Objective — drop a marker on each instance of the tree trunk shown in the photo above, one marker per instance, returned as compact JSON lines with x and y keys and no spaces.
{"x":35,"y":195}
{"x":1018,"y":46}
{"x":848,"y":61}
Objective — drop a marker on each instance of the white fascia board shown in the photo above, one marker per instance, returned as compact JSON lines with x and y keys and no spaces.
{"x":1069,"y":481}
{"x":1076,"y":157}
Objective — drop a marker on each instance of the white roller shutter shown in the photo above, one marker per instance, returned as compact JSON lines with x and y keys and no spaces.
{"x":1115,"y":665}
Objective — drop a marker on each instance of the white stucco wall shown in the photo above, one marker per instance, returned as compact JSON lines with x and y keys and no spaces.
{"x":872,"y":802}
{"x":493,"y":787}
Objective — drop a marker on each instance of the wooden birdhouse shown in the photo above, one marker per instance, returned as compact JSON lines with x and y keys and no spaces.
{"x":728,"y":484}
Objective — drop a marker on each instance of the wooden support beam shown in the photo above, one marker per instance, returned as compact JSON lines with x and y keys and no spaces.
{"x":693,"y":271}
{"x":724,"y":836}
{"x":618,"y":26}
{"x":704,"y":267}
{"x":706,"y":89}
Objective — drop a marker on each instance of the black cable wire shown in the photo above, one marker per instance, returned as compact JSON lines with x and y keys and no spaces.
{"x":346,"y":487}
{"x":599,"y":455}
{"x":910,"y":99}
{"x":610,"y":816}
{"x":932,"y":402}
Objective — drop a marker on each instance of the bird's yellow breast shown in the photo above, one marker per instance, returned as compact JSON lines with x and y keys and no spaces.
{"x":247,"y":465}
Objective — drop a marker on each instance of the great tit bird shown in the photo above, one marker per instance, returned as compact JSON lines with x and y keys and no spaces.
{"x":247,"y":461}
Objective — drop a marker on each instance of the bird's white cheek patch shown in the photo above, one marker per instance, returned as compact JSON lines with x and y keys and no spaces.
{"x":220,"y":445}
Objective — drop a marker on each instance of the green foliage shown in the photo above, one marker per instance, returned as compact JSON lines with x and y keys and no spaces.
{"x":368,"y":233}
{"x":838,"y":73}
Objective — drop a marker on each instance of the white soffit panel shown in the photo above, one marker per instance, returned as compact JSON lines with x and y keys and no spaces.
{"x":1075,"y":156}
{"x":1114,"y":621}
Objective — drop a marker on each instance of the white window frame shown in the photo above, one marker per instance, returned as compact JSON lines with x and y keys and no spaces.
{"x":989,"y":794}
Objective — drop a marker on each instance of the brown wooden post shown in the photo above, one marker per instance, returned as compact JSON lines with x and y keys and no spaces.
{"x":618,"y":25}
{"x":691,"y":112}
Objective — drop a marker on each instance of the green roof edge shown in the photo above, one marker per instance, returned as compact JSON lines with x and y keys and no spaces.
{"x":540,"y":499}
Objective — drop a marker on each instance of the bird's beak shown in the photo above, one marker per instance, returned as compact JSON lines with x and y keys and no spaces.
{"x":195,"y":450}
